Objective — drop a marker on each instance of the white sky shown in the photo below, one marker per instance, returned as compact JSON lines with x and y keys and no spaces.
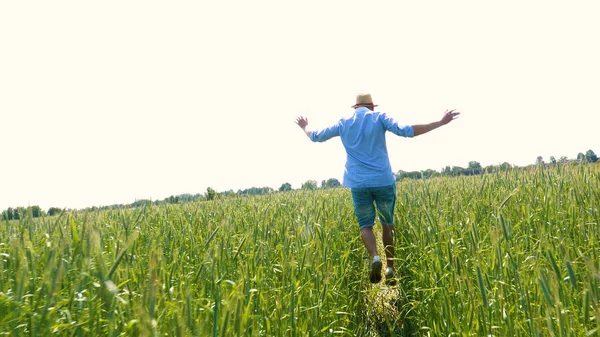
{"x":111,"y":101}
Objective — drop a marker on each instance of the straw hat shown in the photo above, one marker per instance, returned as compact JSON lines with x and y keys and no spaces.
{"x":363,"y":99}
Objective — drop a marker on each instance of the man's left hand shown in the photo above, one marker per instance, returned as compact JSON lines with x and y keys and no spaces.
{"x":449,"y":116}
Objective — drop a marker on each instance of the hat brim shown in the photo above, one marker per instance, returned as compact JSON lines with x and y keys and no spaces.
{"x":356,"y":105}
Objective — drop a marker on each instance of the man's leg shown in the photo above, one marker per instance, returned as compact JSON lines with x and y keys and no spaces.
{"x":388,"y":236}
{"x":365,"y":214}
{"x":386,"y":200}
{"x":375,"y":265}
{"x":368,"y":239}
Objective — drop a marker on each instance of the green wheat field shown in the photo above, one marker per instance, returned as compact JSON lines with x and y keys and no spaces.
{"x":513,"y":253}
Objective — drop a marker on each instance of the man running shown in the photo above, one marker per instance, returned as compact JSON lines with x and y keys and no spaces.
{"x":368,"y":172}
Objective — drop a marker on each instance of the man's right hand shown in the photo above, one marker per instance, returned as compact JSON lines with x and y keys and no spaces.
{"x":302,"y":122}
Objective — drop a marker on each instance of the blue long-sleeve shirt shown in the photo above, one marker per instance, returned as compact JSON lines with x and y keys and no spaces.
{"x":363,"y":137}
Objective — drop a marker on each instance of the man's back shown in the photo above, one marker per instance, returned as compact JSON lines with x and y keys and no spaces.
{"x":363,"y":137}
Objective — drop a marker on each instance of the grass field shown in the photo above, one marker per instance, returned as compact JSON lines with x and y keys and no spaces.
{"x":507,"y":254}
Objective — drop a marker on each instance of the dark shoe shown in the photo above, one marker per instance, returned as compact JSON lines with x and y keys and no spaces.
{"x":375,"y":274}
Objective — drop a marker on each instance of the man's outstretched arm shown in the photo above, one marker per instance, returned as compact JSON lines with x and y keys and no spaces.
{"x":448,"y":117}
{"x":303,"y":123}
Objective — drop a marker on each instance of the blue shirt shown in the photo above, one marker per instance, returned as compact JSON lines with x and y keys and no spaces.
{"x":363,"y":137}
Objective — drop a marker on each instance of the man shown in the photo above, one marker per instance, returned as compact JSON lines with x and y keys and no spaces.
{"x":368,"y":172}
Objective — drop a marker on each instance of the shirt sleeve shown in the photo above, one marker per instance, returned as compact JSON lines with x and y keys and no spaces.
{"x":391,"y":124}
{"x":325,"y":134}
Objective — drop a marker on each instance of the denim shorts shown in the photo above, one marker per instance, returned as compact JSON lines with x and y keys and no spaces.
{"x":384,"y":198}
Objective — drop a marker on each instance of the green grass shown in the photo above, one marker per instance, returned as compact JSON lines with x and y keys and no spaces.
{"x":514,"y":253}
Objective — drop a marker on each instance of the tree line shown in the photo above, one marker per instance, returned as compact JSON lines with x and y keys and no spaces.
{"x":473,"y":168}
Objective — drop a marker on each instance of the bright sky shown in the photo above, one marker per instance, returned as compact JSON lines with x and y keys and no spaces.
{"x":111,"y":101}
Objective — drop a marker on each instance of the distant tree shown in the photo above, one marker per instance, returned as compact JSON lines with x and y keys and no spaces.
{"x":429,"y":173}
{"x":563,"y":160}
{"x":446,"y":171}
{"x":8,"y":214}
{"x":474,"y":167}
{"x":210,"y":193}
{"x":19,"y":213}
{"x":255,"y":191}
{"x":285,"y":187}
{"x":107,"y":207}
{"x":331,"y":183}
{"x":552,"y":160}
{"x":53,"y":211}
{"x":591,"y":157}
{"x":505,"y":166}
{"x":172,"y":200}
{"x":580,"y":157}
{"x":227,"y":193}
{"x":401,"y":175}
{"x":309,"y":185}
{"x":539,"y":161}
{"x":139,"y":203}
{"x":457,"y":170}
{"x":186,"y":197}
{"x":36,"y":211}
{"x":489,"y":169}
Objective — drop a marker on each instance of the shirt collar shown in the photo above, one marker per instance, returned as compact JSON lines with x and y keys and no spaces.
{"x":361,"y":110}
